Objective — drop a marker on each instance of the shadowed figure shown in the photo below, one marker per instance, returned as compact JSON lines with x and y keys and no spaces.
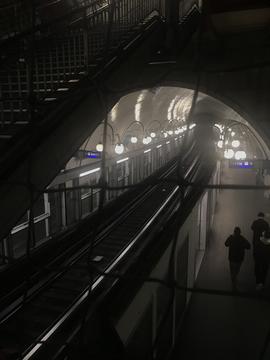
{"x":263,"y":259}
{"x":259,"y":227}
{"x":237,"y":245}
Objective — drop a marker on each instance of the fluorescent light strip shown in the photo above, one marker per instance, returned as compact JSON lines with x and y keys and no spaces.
{"x":175,"y":138}
{"x":50,"y":99}
{"x":159,"y":146}
{"x":146,"y":151}
{"x":89,"y":172}
{"x":14,"y":110}
{"x":122,"y":160}
{"x":167,"y":142}
{"x":162,"y":62}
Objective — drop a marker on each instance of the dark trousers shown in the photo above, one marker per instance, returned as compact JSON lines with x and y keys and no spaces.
{"x":234,"y":269}
{"x":261,"y":270}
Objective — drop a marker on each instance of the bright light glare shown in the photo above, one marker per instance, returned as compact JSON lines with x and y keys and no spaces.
{"x":145,"y":141}
{"x":240,"y":155}
{"x":220,"y":127}
{"x":153,"y":134}
{"x":228,"y":154}
{"x":122,"y":160}
{"x":89,"y":172}
{"x":99,"y":147}
{"x":170,"y":132}
{"x":134,"y":139}
{"x":235,"y":143}
{"x":220,"y":144}
{"x":165,"y":135}
{"x":119,"y":149}
{"x":232,"y":133}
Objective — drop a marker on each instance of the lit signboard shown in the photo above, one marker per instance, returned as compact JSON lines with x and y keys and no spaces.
{"x":88,"y":154}
{"x":92,"y":154}
{"x":241,"y":164}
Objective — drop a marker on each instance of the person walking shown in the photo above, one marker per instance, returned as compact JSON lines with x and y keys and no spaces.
{"x":259,"y":227}
{"x":237,"y":245}
{"x":263,"y":255}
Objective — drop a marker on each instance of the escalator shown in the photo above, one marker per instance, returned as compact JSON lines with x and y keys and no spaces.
{"x":52,"y":74}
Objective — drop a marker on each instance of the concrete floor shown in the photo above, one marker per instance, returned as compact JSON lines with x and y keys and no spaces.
{"x":228,"y":327}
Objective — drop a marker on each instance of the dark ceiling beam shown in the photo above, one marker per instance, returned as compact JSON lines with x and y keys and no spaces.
{"x":220,"y":6}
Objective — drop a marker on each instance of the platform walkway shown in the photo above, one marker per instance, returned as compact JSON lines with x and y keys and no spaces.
{"x":228,"y":327}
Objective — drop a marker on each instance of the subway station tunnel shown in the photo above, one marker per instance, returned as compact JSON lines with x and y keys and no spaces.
{"x":134,"y":138}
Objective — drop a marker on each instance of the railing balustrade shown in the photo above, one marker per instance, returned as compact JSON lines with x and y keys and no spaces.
{"x":47,"y":58}
{"x":42,"y":66}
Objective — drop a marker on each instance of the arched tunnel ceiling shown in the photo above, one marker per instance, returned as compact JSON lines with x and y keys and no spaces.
{"x":160,"y":109}
{"x":167,"y":105}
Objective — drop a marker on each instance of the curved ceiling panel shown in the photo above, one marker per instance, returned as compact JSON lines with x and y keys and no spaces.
{"x":160,"y":110}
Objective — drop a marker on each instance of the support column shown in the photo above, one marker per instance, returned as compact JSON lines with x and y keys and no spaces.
{"x":172,"y":19}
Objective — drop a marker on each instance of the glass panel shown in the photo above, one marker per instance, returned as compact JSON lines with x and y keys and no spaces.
{"x":19,"y":241}
{"x":71,"y":207}
{"x":40,"y":231}
{"x":39,"y":207}
{"x":86,"y":206}
{"x":95,"y":199}
{"x":85,"y":181}
{"x":55,"y":220}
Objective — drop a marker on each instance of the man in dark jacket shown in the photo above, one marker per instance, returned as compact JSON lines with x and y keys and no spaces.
{"x":258,"y":227}
{"x":237,"y":245}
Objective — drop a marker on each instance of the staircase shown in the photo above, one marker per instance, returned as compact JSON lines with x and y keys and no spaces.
{"x":43,"y":66}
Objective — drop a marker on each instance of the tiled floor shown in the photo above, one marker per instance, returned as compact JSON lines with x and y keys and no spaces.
{"x":228,"y":327}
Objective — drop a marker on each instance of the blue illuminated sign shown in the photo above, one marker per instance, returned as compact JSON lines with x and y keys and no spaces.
{"x":88,"y":154}
{"x":92,"y":154}
{"x":241,"y":164}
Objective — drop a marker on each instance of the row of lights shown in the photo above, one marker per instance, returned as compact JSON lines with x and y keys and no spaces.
{"x":230,"y":153}
{"x":238,"y":155}
{"x":119,"y":147}
{"x":235,"y":143}
{"x":222,"y":128}
{"x":120,"y":160}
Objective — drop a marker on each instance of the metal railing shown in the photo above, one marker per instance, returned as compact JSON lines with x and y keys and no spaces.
{"x":44,"y":64}
{"x":57,"y":211}
{"x":45,"y":58}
